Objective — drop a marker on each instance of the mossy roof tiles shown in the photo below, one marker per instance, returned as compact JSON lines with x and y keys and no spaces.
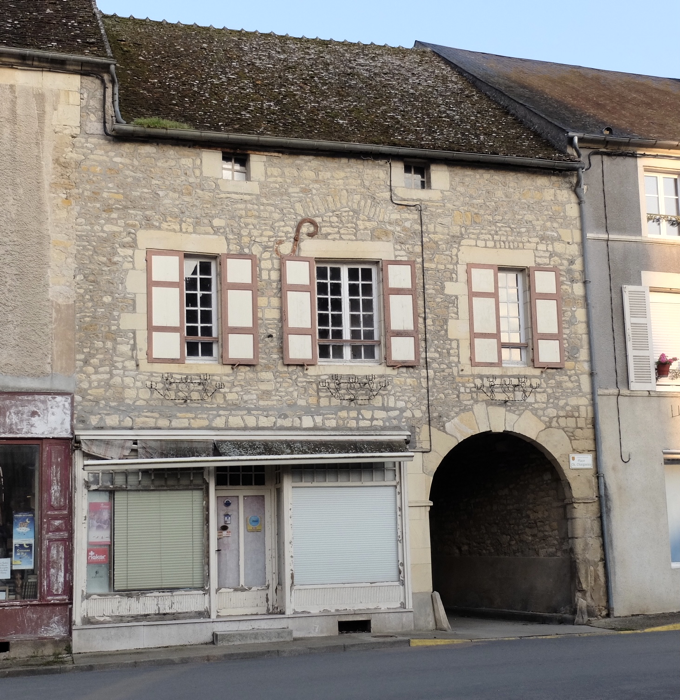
{"x":60,"y":26}
{"x":578,"y":99}
{"x":263,"y":84}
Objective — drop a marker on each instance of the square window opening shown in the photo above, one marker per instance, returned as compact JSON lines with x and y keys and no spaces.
{"x":234,"y":167}
{"x":416,"y":176}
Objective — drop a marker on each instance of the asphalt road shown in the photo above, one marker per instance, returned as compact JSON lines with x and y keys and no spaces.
{"x":622,"y":666}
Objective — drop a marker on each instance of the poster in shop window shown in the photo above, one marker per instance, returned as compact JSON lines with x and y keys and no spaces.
{"x":99,"y":523}
{"x":23,"y":541}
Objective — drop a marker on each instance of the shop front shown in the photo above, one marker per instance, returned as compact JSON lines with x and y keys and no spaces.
{"x":182,"y":536}
{"x":35,"y":524}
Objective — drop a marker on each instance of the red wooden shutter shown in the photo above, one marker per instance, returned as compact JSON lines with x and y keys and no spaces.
{"x":165,"y":305}
{"x":239,"y":310}
{"x":298,"y":280}
{"x":485,"y":330}
{"x":401,"y":313}
{"x":546,"y":307}
{"x":55,"y":521}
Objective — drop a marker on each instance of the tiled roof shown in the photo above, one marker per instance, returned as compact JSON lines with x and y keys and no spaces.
{"x":263,"y":84}
{"x":581,"y":100}
{"x":61,"y":26}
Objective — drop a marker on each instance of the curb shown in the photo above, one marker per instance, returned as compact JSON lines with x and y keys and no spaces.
{"x":400,"y":642}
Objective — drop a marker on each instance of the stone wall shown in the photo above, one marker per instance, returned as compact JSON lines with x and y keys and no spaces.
{"x":40,"y":114}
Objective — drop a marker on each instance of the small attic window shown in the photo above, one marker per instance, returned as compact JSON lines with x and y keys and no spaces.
{"x":415,"y":176}
{"x":234,"y":167}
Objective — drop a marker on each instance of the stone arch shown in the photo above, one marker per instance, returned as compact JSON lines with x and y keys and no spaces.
{"x":553,"y":442}
{"x":580,"y":490}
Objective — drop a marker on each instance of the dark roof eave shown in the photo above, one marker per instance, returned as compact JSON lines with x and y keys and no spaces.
{"x":49,"y":59}
{"x":602,"y":141}
{"x":334,"y":147}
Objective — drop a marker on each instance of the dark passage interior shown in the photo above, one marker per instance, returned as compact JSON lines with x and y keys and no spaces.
{"x":499,"y":529}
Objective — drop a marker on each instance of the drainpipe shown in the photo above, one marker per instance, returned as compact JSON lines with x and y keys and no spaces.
{"x":116,"y":110}
{"x":580,"y":194}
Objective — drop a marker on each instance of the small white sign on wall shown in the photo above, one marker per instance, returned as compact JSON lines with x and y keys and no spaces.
{"x":584,"y":461}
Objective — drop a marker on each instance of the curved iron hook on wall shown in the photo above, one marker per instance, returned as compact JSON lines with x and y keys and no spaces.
{"x":296,"y":239}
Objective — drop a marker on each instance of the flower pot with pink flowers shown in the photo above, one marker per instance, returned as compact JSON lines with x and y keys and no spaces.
{"x":663,"y":365}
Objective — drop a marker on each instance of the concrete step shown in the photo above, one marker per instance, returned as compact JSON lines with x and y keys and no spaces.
{"x":252,"y":636}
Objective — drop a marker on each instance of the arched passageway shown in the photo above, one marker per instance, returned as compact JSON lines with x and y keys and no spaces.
{"x":499,"y":528}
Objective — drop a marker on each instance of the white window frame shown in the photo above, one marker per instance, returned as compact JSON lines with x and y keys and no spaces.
{"x":523,"y":300}
{"x":216,"y":299}
{"x":377,"y":300}
{"x":655,"y":166}
{"x":233,"y":170}
{"x":665,"y":225}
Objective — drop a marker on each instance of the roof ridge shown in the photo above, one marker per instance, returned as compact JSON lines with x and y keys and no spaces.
{"x":256,"y":32}
{"x":549,"y":63}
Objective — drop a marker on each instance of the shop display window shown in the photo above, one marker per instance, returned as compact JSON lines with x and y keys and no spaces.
{"x":145,"y":531}
{"x":19,"y":521}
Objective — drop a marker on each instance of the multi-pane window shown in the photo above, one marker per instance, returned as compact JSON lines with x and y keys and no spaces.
{"x":200,"y":308}
{"x":511,"y":316}
{"x":347,"y":312}
{"x":415,"y":176}
{"x":661,"y":195}
{"x":234,"y":167}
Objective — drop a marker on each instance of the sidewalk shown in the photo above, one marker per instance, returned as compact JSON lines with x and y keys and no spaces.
{"x":463,"y":630}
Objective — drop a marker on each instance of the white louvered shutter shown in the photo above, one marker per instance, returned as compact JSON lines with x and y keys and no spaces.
{"x":239,"y":310}
{"x":546,"y":302}
{"x":345,"y":534}
{"x":298,"y":281}
{"x":158,"y":540}
{"x":639,"y":348}
{"x":401,"y":313}
{"x":485,"y":330}
{"x":165,"y":306}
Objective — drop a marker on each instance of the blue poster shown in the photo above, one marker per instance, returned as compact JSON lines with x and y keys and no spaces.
{"x":23,"y":541}
{"x":24,"y":526}
{"x":22,"y":556}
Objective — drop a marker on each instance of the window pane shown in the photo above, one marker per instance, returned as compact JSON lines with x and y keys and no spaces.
{"x":200,"y":308}
{"x":350,"y":289}
{"x":158,"y":540}
{"x":19,"y":520}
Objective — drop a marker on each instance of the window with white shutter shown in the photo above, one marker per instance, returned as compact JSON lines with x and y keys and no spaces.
{"x":401,"y":313}
{"x":345,"y":534}
{"x":239,"y":310}
{"x":186,"y":309}
{"x":298,"y":281}
{"x":639,"y":347}
{"x":158,"y":540}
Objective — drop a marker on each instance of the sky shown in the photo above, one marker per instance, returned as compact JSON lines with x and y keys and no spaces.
{"x":614,"y":35}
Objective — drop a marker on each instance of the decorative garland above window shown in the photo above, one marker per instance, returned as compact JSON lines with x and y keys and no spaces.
{"x":354,"y":388}
{"x":185,"y":387}
{"x":507,"y":388}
